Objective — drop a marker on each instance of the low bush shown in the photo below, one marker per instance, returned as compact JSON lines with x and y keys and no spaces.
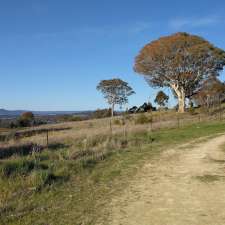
{"x":191,"y":109}
{"x":101,"y":113}
{"x":127,"y":117}
{"x":116,"y":122}
{"x":71,"y":118}
{"x":142,"y":119}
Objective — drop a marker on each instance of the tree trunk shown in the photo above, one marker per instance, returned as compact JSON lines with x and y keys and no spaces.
{"x":181,"y":103}
{"x":181,"y":98}
{"x":112,"y":110}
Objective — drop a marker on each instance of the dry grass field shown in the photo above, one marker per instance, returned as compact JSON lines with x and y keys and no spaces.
{"x":71,"y":179}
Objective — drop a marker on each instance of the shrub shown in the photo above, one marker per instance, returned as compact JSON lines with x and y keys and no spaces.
{"x":142,"y":119}
{"x":101,"y":113}
{"x":127,"y":117}
{"x":71,"y":118}
{"x":192,"y":109}
{"x":117,"y":122}
{"x":26,"y":119}
{"x":123,"y":121}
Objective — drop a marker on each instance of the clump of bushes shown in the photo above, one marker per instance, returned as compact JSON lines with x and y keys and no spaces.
{"x":71,"y":118}
{"x":142,"y":119}
{"x":191,"y":109}
{"x":101,"y":113}
{"x":127,"y":117}
{"x":117,"y":122}
{"x":123,"y":120}
{"x":26,"y":119}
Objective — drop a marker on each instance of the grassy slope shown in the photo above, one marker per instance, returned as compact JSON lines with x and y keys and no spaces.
{"x":81,"y":199}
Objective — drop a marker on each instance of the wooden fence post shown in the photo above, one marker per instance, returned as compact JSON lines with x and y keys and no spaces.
{"x":47,"y":138}
{"x":178,"y":121}
{"x":110,"y":126}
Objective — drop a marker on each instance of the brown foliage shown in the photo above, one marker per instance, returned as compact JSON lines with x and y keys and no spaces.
{"x":211,"y":93}
{"x":180,"y":61}
{"x":27,"y":116}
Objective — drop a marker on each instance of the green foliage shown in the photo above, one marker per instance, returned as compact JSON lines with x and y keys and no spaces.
{"x":115,"y":91}
{"x":161,"y":98}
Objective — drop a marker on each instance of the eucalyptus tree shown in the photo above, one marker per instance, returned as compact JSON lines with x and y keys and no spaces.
{"x":181,"y":62}
{"x":115,"y":91}
{"x":161,"y":99}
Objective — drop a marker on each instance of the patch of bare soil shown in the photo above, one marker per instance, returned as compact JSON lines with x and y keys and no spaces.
{"x":182,"y":187}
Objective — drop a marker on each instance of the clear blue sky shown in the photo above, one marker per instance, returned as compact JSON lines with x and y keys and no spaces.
{"x":54,"y":52}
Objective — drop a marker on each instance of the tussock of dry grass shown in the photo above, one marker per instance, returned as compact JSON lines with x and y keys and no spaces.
{"x":80,"y":167}
{"x":73,"y":132}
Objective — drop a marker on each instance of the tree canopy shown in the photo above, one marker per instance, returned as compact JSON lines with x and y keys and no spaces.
{"x":180,"y":61}
{"x":26,"y":119}
{"x":115,"y":91}
{"x":161,"y":98}
{"x":212,"y":92}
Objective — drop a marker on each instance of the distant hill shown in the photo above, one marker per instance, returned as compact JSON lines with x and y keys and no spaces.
{"x":15,"y":113}
{"x":4,"y":112}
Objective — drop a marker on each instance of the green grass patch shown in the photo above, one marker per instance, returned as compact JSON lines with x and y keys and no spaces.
{"x":41,"y":178}
{"x":19,"y":167}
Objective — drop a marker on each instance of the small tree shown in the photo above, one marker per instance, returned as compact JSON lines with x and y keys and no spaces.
{"x":161,"y":99}
{"x":181,"y":62}
{"x":115,"y":91}
{"x":211,"y":93}
{"x":26,"y":119}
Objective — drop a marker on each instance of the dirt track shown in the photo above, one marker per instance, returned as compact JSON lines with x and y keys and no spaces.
{"x":184,"y":186}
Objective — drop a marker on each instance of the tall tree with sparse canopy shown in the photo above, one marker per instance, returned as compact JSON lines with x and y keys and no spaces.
{"x":180,"y":61}
{"x":161,"y":98}
{"x":211,"y":93}
{"x":115,"y":91}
